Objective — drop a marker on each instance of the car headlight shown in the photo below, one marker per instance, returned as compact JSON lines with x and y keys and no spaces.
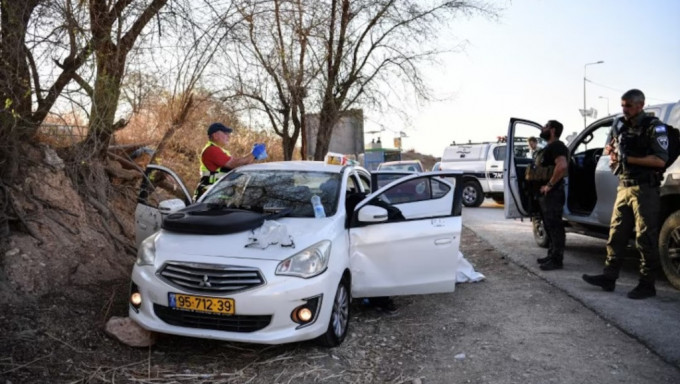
{"x":307,"y":263}
{"x":146,"y":254}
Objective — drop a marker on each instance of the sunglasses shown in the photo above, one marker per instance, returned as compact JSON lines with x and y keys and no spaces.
{"x":627,"y":105}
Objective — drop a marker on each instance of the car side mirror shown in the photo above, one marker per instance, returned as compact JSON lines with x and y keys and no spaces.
{"x":372,"y":214}
{"x":167,"y":207}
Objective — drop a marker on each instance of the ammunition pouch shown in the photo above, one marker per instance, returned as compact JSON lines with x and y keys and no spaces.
{"x":539,"y":173}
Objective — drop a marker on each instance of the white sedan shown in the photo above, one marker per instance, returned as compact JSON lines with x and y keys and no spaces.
{"x":250,"y":262}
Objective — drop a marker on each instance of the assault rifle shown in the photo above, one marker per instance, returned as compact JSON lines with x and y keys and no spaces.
{"x":619,"y":145}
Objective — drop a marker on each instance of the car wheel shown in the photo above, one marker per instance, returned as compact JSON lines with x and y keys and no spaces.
{"x":669,"y":248}
{"x":473,"y":196}
{"x":339,"y":321}
{"x":540,"y":236}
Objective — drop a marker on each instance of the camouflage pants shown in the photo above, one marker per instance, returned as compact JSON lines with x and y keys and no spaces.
{"x":636,"y":208}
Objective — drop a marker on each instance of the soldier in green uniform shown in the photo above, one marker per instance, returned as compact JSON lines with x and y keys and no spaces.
{"x":638,"y":152}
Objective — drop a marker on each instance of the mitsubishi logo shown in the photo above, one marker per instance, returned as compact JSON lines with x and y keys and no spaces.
{"x":205,"y":282}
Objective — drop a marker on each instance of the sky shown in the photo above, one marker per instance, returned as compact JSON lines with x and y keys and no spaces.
{"x":530,"y":64}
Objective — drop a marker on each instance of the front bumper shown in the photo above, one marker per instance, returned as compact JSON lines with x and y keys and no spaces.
{"x":275,"y":300}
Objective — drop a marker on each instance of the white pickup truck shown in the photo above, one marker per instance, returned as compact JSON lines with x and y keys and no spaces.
{"x":482,"y":166}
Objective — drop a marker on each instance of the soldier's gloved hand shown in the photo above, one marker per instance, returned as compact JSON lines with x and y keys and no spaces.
{"x":259,"y":151}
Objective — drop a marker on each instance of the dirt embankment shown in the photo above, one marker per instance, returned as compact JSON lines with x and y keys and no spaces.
{"x":65,"y":242}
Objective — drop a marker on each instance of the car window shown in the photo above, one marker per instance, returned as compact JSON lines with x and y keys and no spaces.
{"x":277,"y":190}
{"x":410,"y":167}
{"x":413,"y":190}
{"x":159,"y":186}
{"x":366,"y":183}
{"x":385,"y":178}
{"x":439,"y":189}
{"x":499,"y":153}
{"x":597,"y":139}
{"x":352,"y":186}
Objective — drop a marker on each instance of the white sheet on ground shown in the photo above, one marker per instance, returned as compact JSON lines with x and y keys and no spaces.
{"x":466,"y":273}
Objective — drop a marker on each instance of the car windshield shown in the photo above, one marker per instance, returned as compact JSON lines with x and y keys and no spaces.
{"x":270,"y":191}
{"x":409,"y":167}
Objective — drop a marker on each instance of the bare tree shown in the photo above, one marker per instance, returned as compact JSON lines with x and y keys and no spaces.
{"x":272,"y":68}
{"x":369,"y":43}
{"x":27,"y":93}
{"x":115,"y":26}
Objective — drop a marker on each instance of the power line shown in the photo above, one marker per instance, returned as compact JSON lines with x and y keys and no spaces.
{"x":622,"y":91}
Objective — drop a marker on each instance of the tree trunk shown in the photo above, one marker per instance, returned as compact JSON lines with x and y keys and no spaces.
{"x":110,"y":70}
{"x":327,"y":119}
{"x":15,"y":85}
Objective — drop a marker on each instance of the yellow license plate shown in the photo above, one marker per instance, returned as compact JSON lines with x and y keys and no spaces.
{"x":201,"y":303}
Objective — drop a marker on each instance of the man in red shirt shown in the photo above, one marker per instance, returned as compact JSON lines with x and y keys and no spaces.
{"x":216,"y":160}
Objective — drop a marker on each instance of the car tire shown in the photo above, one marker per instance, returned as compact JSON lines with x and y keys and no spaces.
{"x":540,"y":237}
{"x":473,"y":196}
{"x":669,"y":248}
{"x":338,"y":324}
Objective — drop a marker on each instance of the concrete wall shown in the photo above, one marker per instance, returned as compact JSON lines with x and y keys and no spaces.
{"x":347,"y":137}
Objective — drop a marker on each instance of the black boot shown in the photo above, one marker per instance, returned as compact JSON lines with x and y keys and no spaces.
{"x":543,"y":260}
{"x":551,"y":265}
{"x":606,"y":283}
{"x":643,"y":290}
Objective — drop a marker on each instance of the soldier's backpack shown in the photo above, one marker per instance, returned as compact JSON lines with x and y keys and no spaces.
{"x":673,"y":145}
{"x":673,"y":135}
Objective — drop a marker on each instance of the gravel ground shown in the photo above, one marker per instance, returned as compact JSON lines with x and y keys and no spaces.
{"x":511,"y":328}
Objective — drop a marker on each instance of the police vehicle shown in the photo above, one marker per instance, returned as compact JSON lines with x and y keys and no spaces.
{"x":591,"y":186}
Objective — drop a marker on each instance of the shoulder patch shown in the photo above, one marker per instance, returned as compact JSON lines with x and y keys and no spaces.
{"x":663,"y":142}
{"x":660,"y":128}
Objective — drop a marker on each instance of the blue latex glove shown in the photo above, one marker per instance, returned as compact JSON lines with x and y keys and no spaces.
{"x":259,"y":151}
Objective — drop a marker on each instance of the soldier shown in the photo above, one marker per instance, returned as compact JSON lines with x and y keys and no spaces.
{"x":552,"y":165}
{"x":638,"y":152}
{"x":533,"y":146}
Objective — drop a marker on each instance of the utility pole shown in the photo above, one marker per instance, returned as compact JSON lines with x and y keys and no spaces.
{"x":584,"y":89}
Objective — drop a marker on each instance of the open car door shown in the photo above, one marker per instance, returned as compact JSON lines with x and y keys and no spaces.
{"x":161,"y":193}
{"x":516,"y":197}
{"x":405,"y":236}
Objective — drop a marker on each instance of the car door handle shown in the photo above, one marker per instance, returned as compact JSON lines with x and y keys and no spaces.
{"x":447,"y":240}
{"x":494,"y":166}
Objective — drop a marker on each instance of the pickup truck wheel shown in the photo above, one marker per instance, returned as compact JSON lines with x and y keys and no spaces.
{"x":473,"y":196}
{"x":540,"y":236}
{"x":669,"y":248}
{"x":339,"y":321}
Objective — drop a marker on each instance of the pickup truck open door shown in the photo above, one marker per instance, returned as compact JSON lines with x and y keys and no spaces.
{"x":515,"y":196}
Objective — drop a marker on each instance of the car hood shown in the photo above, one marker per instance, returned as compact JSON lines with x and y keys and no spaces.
{"x":275,"y":240}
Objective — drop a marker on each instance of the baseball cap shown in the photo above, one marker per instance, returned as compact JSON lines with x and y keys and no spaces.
{"x":214,"y":127}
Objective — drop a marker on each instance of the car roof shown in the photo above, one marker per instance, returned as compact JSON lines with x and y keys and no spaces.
{"x":401,"y":162}
{"x":297,"y":165}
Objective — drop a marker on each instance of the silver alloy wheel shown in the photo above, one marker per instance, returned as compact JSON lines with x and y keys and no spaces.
{"x":469,"y":195}
{"x":340,"y":314}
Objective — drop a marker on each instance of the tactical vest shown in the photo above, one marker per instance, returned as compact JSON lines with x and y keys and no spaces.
{"x":538,"y":172}
{"x":209,"y":177}
{"x":637,"y":144}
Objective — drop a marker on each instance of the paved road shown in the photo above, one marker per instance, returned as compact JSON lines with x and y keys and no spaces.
{"x":655,"y":322}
